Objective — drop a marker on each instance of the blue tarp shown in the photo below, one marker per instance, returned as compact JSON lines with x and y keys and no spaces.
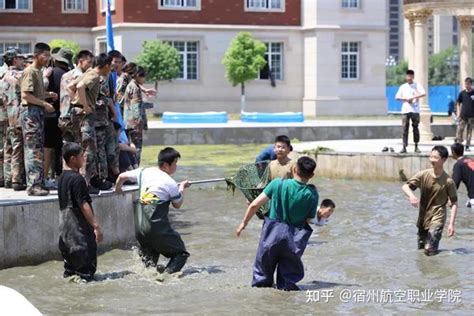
{"x":441,"y":99}
{"x":201,"y":117}
{"x":282,"y":117}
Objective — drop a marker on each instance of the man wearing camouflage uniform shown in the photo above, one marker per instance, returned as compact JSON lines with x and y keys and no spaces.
{"x":105,"y":150}
{"x":133,"y":111}
{"x":33,"y":97}
{"x":70,"y":116}
{"x":85,"y":90}
{"x":15,"y":173}
{"x":3,"y":126}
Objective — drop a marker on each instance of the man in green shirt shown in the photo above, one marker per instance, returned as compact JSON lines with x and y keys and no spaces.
{"x":436,"y":189}
{"x":285,"y":232}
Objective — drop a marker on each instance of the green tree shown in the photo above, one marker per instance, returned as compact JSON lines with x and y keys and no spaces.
{"x":62,"y":43}
{"x":395,"y":75}
{"x":444,"y":68}
{"x":243,"y":60}
{"x":160,"y":60}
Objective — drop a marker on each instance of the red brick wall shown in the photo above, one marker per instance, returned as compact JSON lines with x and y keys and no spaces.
{"x":212,"y":12}
{"x":117,"y":14}
{"x":48,"y":13}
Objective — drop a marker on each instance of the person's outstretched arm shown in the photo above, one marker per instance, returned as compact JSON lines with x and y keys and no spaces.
{"x":251,"y":210}
{"x":179,"y":202}
{"x":120,"y":181}
{"x":411,"y":196}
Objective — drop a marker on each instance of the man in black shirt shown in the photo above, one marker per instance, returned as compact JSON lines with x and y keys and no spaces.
{"x":52,"y":134}
{"x":463,"y":170}
{"x":79,"y":231}
{"x":465,"y":112}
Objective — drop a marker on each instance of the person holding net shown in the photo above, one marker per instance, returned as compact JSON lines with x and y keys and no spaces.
{"x":152,"y":227}
{"x":285,"y":232}
{"x":282,"y":165}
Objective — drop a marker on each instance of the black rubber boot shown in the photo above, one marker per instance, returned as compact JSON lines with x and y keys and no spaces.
{"x":176,"y":263}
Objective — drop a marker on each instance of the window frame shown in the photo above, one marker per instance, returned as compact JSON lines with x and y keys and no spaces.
{"x":269,"y":53}
{"x":3,"y":43}
{"x":268,"y":8}
{"x":179,"y":8}
{"x":185,"y":53}
{"x":349,"y":54}
{"x":85,"y":9}
{"x":102,"y":40}
{"x":103,"y":8}
{"x":357,"y":7}
{"x":16,"y":10}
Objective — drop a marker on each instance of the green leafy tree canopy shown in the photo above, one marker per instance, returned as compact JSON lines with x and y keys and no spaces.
{"x":395,"y":75}
{"x":244,"y":58}
{"x":160,"y":60}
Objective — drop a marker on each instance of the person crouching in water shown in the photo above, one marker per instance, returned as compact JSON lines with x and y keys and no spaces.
{"x":152,"y":227}
{"x":436,"y":189}
{"x":79,"y":230}
{"x":285,"y":231}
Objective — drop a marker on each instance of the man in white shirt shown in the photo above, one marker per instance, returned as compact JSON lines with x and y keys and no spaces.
{"x":152,"y":227}
{"x":410,"y":93}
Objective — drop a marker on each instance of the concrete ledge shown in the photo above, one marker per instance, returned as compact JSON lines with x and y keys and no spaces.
{"x":29,"y":230}
{"x":373,"y":166}
{"x":242,"y":133}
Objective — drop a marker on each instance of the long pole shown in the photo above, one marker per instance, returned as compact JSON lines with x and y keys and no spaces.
{"x":207,"y":181}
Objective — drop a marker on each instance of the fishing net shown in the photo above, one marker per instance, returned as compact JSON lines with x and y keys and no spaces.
{"x":251,"y":179}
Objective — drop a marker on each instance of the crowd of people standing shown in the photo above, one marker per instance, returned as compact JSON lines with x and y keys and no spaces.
{"x":46,"y":101}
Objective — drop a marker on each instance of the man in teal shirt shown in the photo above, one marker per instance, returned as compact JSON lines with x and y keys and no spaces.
{"x":285,"y":232}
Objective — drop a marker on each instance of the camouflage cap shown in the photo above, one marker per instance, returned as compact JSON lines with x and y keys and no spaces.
{"x":64,"y":55}
{"x":11,"y":52}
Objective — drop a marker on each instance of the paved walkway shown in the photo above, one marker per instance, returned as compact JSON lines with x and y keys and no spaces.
{"x":369,"y":145}
{"x":9,"y":197}
{"x":152,"y":124}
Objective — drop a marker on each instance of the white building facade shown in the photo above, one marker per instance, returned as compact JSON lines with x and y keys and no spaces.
{"x":330,"y":62}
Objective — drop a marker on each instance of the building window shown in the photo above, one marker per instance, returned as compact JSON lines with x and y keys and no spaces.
{"x":350,"y":60}
{"x":274,"y":65}
{"x":25,"y":48}
{"x":180,"y":4}
{"x":74,"y":6}
{"x":265,"y":5}
{"x":103,"y":5}
{"x":20,"y":5}
{"x":350,"y":4}
{"x":101,"y":46}
{"x":188,"y":56}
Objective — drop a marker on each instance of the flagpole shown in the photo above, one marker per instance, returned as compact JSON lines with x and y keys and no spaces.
{"x":108,"y":29}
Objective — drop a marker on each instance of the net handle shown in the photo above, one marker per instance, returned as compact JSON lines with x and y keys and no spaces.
{"x":207,"y":181}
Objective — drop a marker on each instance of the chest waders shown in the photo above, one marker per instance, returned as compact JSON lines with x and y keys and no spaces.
{"x":281,"y":247}
{"x":156,"y":236}
{"x":77,"y":244}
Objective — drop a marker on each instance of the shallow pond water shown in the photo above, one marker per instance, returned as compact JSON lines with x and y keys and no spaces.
{"x":364,"y":261}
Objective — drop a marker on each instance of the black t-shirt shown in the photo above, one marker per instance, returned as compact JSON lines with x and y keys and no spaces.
{"x":466,"y":98}
{"x":463,"y":171}
{"x":72,"y":190}
{"x":55,"y":84}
